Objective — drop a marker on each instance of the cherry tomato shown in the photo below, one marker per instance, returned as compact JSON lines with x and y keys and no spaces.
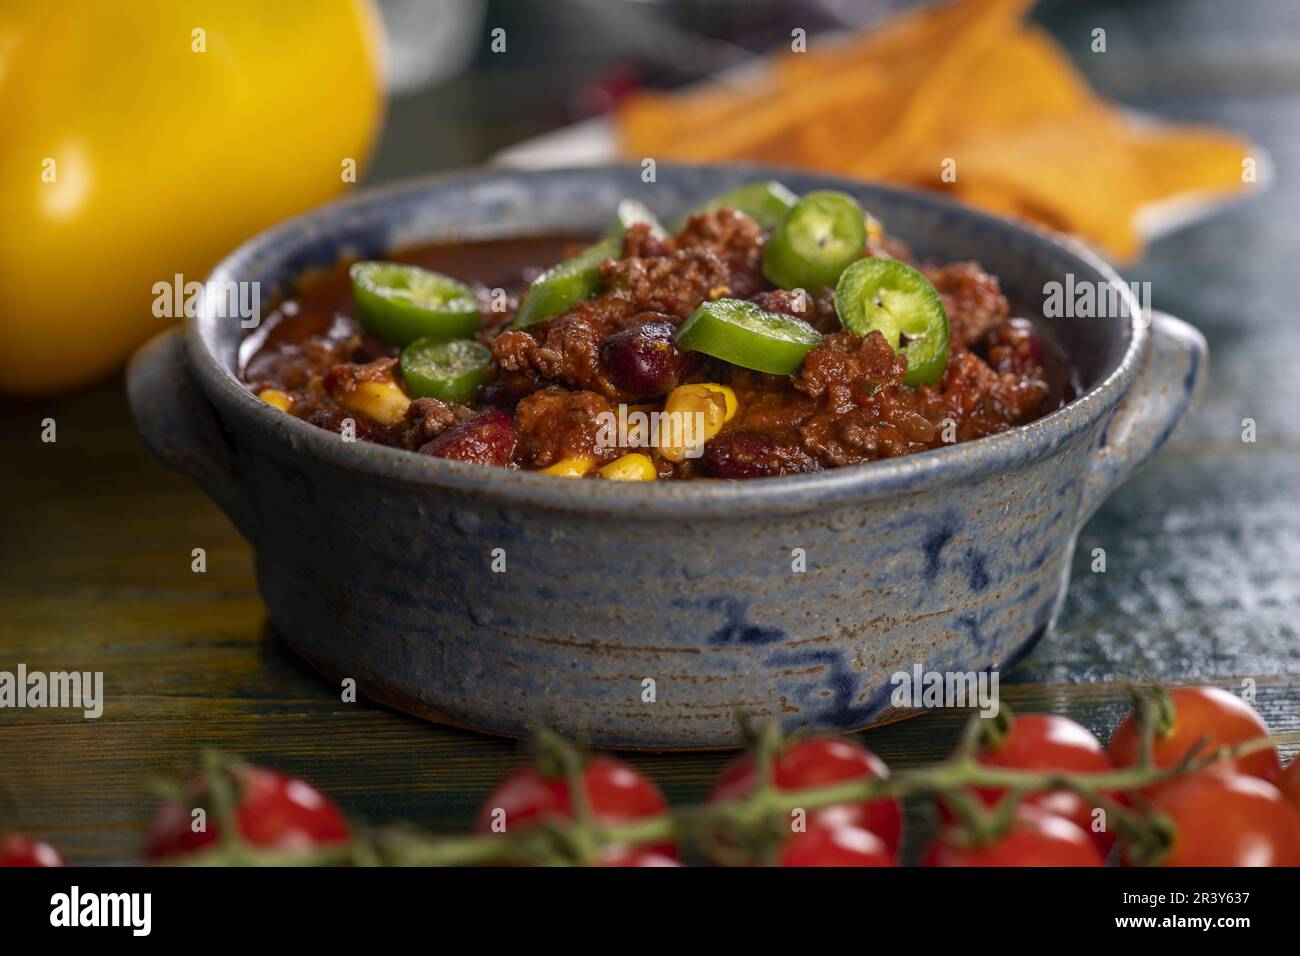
{"x":1036,"y":838}
{"x":1048,"y":742}
{"x":17,"y":849}
{"x":1201,"y":713}
{"x":1289,"y":783}
{"x":273,"y":812}
{"x":836,"y":846}
{"x":818,"y":762}
{"x":615,"y":792}
{"x":1228,"y":819}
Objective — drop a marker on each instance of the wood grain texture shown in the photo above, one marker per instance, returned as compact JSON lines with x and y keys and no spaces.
{"x":1202,"y":547}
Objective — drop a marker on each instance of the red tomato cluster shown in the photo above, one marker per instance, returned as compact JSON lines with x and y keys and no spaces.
{"x":615,"y":794}
{"x":1230,"y":815}
{"x":1240,"y":812}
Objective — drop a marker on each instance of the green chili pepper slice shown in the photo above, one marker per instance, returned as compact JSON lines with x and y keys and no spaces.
{"x":401,"y":303}
{"x":629,"y":213}
{"x":891,"y":297}
{"x":563,"y":286}
{"x":816,"y":241}
{"x":765,"y":203}
{"x":450,"y":371}
{"x":743,"y":334}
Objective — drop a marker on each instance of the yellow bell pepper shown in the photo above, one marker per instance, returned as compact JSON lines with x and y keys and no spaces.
{"x":147,"y":139}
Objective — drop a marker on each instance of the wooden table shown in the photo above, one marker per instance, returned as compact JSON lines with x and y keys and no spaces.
{"x":1203,"y":547}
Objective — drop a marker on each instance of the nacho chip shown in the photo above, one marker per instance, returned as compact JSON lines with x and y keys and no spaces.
{"x":964,"y":82}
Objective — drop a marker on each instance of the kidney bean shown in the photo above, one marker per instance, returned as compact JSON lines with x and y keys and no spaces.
{"x":753,"y":455}
{"x":488,"y":439}
{"x":642,"y":360}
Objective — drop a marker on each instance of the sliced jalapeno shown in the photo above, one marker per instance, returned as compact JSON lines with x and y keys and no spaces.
{"x":629,"y":213}
{"x":765,"y":203}
{"x":451,"y":371}
{"x":401,"y":303}
{"x":816,"y":241}
{"x":563,"y":286}
{"x":891,"y":297}
{"x":741,"y":333}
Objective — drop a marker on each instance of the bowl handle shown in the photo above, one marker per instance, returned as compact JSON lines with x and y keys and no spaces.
{"x":179,"y":425}
{"x":1164,"y":392}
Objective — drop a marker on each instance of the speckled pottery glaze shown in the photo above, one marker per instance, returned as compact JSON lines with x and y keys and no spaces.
{"x":376,"y":563}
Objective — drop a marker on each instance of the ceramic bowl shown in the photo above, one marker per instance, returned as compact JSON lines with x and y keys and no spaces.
{"x":644,"y":616}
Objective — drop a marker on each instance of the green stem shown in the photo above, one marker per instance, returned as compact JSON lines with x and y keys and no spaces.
{"x":555,"y":841}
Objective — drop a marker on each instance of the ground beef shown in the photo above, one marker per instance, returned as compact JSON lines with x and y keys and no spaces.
{"x":736,"y":240}
{"x":985,"y":401}
{"x":567,"y":351}
{"x":818,"y":311}
{"x":641,"y":241}
{"x":293,"y":368}
{"x":333,"y":418}
{"x":549,"y":384}
{"x":427,"y":418}
{"x":867,"y":412}
{"x":346,"y":376}
{"x":554,"y":424}
{"x":972,"y":298}
{"x":749,"y":454}
{"x":674,"y":284}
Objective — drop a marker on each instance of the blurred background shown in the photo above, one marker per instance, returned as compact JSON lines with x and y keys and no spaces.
{"x":455,"y":103}
{"x":96,"y":537}
{"x":1118,"y":121}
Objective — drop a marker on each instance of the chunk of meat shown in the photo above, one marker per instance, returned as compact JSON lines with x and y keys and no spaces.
{"x":675,"y":284}
{"x":565,"y":349}
{"x":427,"y":418}
{"x":844,"y":369}
{"x":640,"y":242}
{"x":733,"y":238}
{"x":335,"y":419}
{"x":555,"y":424}
{"x":746,"y":454}
{"x":984,"y":401}
{"x":972,"y":298}
{"x":346,"y":376}
{"x":818,"y":311}
{"x":888,"y":424}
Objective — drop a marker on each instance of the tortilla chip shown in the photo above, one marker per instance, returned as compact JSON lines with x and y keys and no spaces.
{"x":961,"y":81}
{"x":1187,"y":159}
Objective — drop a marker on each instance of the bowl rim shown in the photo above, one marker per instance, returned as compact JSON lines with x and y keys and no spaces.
{"x":705,"y":498}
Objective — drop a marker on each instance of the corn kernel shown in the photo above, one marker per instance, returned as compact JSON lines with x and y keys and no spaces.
{"x":695,"y":413}
{"x":574,"y":467}
{"x":733,"y":405}
{"x":384,"y":402}
{"x":633,"y":467}
{"x":273,"y":396}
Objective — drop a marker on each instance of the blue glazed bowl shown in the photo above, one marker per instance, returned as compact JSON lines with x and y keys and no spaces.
{"x":643,"y":616}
